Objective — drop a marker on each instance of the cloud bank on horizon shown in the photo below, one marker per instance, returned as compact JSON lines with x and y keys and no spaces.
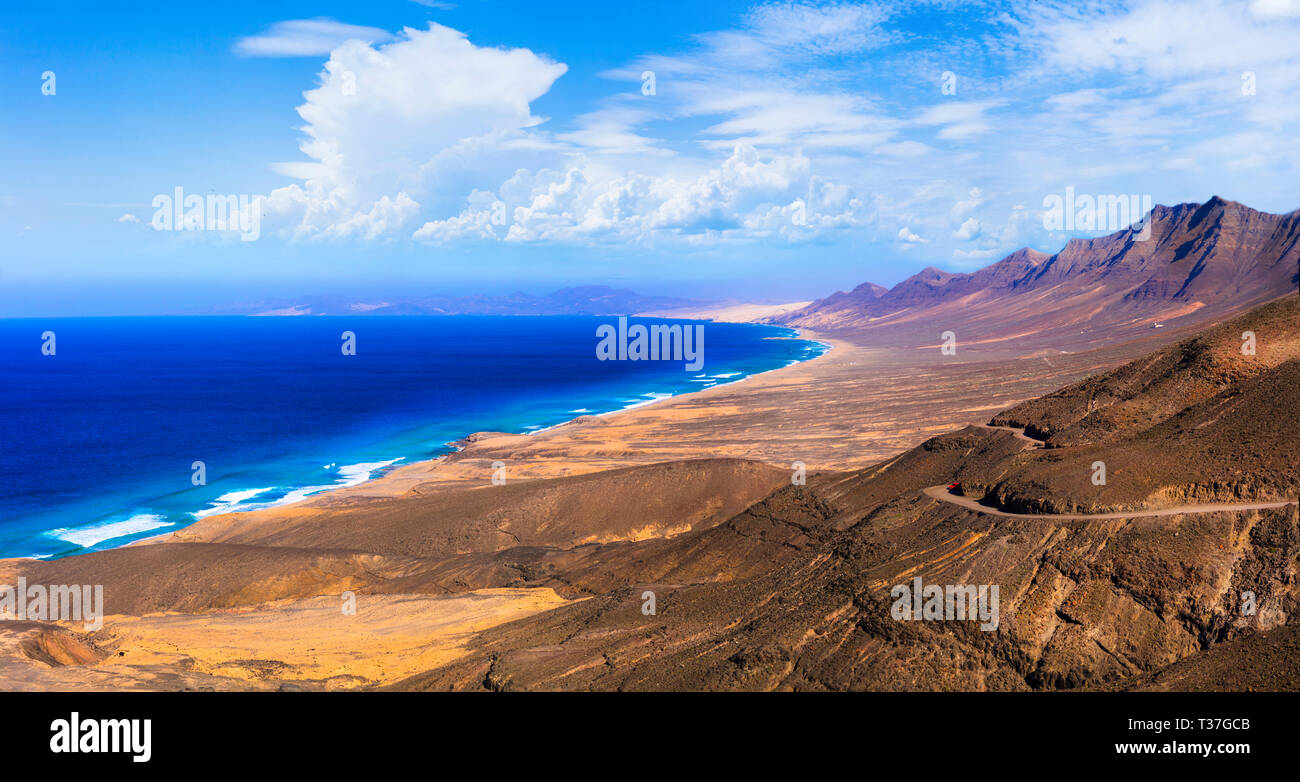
{"x":936,"y":124}
{"x":833,"y":135}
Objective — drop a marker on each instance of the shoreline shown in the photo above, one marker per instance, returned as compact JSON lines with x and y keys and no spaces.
{"x":847,"y":407}
{"x":799,"y":334}
{"x":460,"y":444}
{"x":325,"y":490}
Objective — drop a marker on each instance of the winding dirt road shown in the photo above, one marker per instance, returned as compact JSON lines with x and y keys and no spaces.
{"x":942,"y":494}
{"x":1019,"y":433}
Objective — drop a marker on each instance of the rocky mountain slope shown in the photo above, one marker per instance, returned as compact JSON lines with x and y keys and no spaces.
{"x":1199,"y":262}
{"x":795,"y":592}
{"x":1198,"y":421}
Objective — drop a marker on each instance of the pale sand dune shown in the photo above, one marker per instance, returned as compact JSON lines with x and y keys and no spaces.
{"x":314,"y":640}
{"x":310,"y":641}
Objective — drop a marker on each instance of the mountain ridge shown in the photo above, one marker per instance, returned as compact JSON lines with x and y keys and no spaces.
{"x":1199,"y":261}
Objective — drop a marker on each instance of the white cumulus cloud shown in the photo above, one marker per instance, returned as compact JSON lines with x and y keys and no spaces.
{"x":968,"y":230}
{"x":906,"y":236}
{"x":747,"y":195}
{"x":391,"y":125}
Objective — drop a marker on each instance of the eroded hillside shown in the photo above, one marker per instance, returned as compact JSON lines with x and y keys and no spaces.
{"x":795,"y":592}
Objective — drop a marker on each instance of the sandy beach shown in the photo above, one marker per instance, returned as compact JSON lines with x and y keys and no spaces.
{"x":849,"y":407}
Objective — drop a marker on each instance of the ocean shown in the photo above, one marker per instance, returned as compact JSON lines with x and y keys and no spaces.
{"x":99,"y":441}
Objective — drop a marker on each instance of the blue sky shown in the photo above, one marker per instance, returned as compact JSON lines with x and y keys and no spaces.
{"x":787,"y":150}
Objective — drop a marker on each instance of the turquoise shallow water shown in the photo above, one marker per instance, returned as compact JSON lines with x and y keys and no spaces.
{"x":98,"y":442}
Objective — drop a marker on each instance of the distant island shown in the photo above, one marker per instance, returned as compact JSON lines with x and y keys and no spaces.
{"x":584,"y":300}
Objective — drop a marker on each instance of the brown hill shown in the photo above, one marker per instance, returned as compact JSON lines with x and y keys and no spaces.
{"x":1197,"y":421}
{"x":1147,"y":391}
{"x":625,"y":504}
{"x":244,"y":559}
{"x":1200,"y":262}
{"x":795,"y":592}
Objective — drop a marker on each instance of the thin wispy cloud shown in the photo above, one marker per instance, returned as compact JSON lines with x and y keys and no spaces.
{"x":306,"y":38}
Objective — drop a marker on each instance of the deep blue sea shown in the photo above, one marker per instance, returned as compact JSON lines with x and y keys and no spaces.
{"x":98,"y":442}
